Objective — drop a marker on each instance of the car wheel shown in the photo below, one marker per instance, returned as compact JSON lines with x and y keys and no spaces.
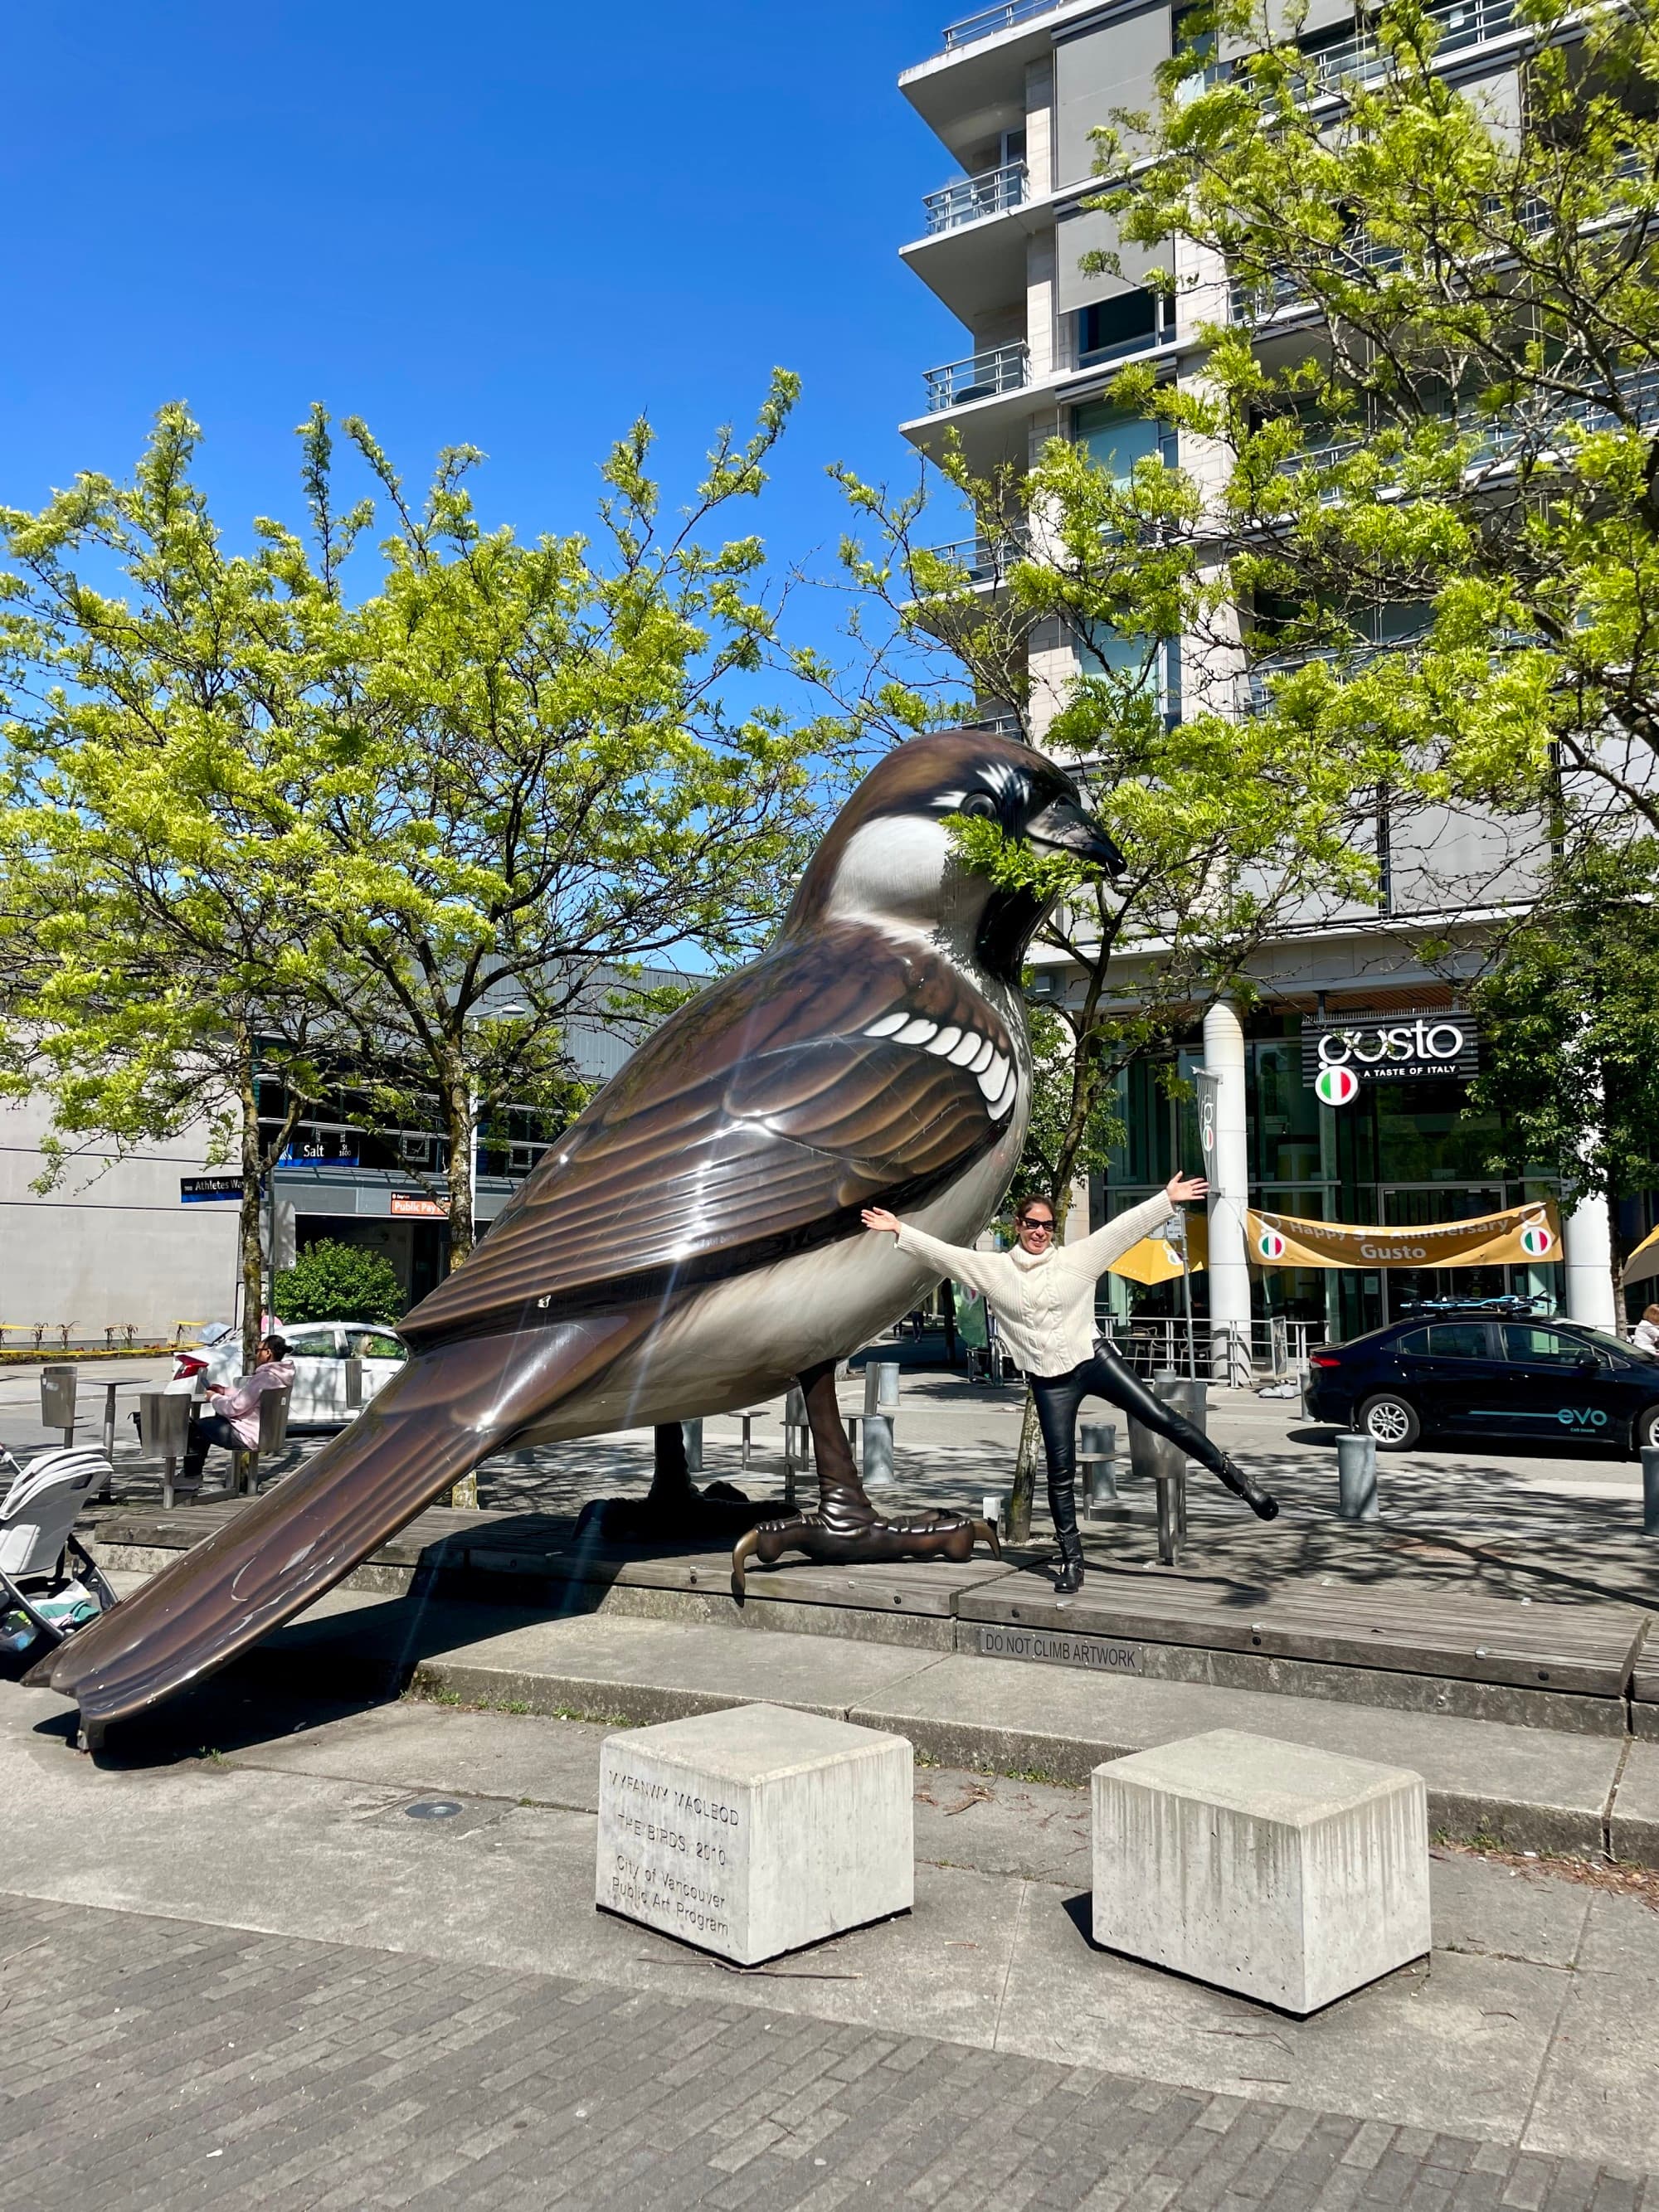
{"x":1647,"y":1428}
{"x":1390,"y":1421}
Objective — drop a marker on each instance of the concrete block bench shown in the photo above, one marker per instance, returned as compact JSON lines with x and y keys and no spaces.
{"x":756,"y":1830}
{"x":1288,"y":1873}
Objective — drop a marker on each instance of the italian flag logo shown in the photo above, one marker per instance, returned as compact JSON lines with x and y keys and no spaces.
{"x":1270,"y":1244}
{"x":1536,"y":1241}
{"x":1335,"y":1087}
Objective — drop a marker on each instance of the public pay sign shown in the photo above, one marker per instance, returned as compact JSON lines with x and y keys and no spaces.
{"x":1520,"y":1235}
{"x":1341,"y":1051}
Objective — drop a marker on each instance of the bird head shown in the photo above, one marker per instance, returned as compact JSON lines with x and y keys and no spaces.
{"x":890,"y":858}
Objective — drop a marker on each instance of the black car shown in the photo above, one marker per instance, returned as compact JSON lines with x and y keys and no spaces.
{"x":1476,"y":1375}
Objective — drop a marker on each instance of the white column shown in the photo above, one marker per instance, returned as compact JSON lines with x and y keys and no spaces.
{"x":1587,"y":1247}
{"x":1230,"y":1182}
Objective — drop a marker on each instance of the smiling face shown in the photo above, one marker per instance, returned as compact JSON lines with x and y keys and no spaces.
{"x":890,"y":857}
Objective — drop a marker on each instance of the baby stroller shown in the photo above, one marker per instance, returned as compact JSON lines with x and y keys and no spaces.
{"x":50,"y":1585}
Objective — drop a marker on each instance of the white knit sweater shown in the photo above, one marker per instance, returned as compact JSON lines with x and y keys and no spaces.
{"x":1045,"y":1301}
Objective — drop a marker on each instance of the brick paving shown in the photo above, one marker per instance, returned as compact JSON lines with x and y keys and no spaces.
{"x":145,"y":2061}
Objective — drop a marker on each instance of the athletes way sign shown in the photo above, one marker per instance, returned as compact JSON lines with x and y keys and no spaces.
{"x":1341,"y":1051}
{"x":1522,"y":1235}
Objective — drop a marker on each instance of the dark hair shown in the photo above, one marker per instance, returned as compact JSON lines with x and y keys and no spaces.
{"x":276,"y":1345}
{"x":1034,"y":1198}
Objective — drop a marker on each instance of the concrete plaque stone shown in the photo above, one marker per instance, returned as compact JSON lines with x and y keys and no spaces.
{"x":1285,"y":1873}
{"x":756,"y":1830}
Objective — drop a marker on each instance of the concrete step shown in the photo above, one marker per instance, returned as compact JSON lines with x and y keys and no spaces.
{"x":1527,"y":1788}
{"x":1375,"y":1637}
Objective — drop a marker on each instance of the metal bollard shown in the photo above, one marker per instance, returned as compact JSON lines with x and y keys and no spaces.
{"x":692,"y":1432}
{"x":881,"y":1386}
{"x":796,"y":1440}
{"x":1098,"y":1444}
{"x":1650,"y":1489}
{"x":353,"y":1383}
{"x":1356,"y":1479}
{"x":877,"y":1452}
{"x":58,"y":1398}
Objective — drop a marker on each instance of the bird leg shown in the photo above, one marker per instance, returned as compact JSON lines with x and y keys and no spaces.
{"x":846,"y":1529}
{"x":674,"y":1511}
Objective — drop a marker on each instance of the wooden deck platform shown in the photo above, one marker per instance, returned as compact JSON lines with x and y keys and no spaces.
{"x":1576,"y":1665}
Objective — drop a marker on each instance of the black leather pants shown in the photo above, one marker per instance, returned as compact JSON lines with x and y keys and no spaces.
{"x":1058,"y":1398}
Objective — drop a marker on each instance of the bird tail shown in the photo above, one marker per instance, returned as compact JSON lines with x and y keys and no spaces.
{"x":447,"y":1410}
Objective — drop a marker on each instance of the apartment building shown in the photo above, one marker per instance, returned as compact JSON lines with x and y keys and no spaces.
{"x":1013,"y":95}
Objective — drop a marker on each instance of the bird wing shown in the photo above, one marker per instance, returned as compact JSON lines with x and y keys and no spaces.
{"x":757,"y":1120}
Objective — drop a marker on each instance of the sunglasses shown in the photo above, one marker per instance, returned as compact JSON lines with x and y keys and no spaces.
{"x":1026,"y":1222}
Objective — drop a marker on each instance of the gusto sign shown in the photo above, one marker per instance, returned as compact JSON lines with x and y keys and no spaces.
{"x":1337,"y":1054}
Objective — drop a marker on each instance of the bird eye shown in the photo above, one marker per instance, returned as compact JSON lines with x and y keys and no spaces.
{"x":979,"y":806}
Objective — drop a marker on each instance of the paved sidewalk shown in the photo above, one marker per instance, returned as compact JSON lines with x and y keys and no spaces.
{"x":336,"y":1996}
{"x":148,"y":2065}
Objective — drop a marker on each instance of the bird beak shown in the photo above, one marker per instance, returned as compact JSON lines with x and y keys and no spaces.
{"x":1063,"y":827}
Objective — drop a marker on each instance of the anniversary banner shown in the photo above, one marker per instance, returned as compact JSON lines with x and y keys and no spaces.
{"x":1520,"y":1237}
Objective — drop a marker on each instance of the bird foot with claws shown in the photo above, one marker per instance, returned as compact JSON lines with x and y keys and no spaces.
{"x":840,"y":1538}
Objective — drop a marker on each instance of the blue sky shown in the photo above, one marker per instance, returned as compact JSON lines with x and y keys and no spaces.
{"x":511,"y":225}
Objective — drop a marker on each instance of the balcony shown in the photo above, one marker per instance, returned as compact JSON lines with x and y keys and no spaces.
{"x":982,"y":376}
{"x":1461,"y":23}
{"x":971,"y":198}
{"x":982,"y":560}
{"x":990,"y":20}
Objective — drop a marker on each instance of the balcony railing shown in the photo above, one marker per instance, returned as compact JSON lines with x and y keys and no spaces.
{"x":982,"y":560}
{"x":990,"y":20}
{"x":993,"y":193}
{"x":1462,"y":23}
{"x":982,"y":376}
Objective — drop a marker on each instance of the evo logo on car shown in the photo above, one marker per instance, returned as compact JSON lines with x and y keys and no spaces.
{"x":1582,"y":1417}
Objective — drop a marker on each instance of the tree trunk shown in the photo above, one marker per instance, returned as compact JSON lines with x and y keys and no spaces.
{"x":1621,"y":1325}
{"x":459,"y":1140}
{"x":461,"y":1137}
{"x":249,"y":1225}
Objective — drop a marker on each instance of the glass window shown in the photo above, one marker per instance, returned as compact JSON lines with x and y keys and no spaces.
{"x":1417,"y":1343}
{"x":1540,"y":1347}
{"x":1115,"y":438}
{"x":1124,"y":323}
{"x":1458,"y":1339}
{"x":312,"y":1344}
{"x":373,"y":1344}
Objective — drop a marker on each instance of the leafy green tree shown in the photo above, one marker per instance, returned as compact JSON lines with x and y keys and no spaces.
{"x":260,"y":827}
{"x":156,"y":917}
{"x":1450,"y":452}
{"x":1568,"y":1013}
{"x":331,"y":1281}
{"x":534,"y":779}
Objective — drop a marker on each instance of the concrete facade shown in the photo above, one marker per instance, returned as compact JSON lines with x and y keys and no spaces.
{"x":110,"y":1246}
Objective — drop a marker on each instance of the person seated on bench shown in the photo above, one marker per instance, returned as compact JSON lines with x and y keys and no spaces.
{"x":235,"y":1421}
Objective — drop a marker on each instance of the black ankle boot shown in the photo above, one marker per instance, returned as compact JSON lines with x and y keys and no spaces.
{"x":1229,"y":1472}
{"x":1062,"y":1504}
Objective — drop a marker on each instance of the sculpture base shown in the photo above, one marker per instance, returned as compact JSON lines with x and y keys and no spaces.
{"x":712,"y":1516}
{"x":835,"y":1543}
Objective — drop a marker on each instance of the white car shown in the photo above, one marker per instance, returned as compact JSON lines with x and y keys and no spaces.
{"x":320,"y":1351}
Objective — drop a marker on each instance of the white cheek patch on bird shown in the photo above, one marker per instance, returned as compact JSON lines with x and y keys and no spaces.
{"x":964,"y":1048}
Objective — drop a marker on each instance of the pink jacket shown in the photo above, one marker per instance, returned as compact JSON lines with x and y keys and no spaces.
{"x":240,"y":1406}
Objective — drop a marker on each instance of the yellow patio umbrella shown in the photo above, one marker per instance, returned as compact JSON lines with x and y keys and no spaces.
{"x":1643,"y":1261}
{"x":1155,"y":1260}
